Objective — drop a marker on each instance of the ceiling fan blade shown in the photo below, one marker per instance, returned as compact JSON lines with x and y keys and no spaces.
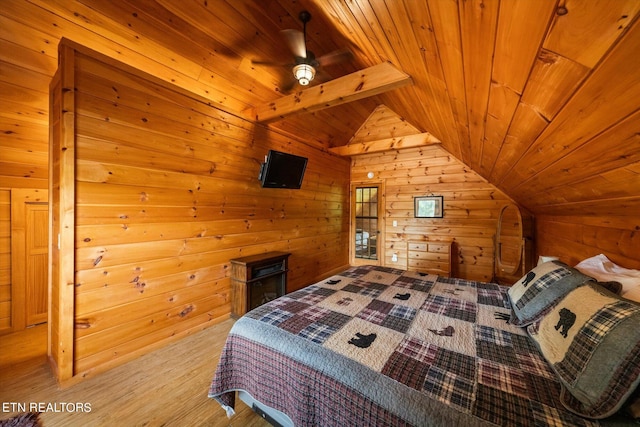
{"x":288,"y":85}
{"x":322,"y":76}
{"x":335,"y":57}
{"x":270,"y":63}
{"x":295,"y":39}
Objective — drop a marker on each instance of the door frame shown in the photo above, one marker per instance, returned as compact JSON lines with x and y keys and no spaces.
{"x":20,"y":197}
{"x":381,"y":237}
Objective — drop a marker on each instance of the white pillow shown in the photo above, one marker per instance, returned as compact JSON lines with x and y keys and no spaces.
{"x":602,"y":269}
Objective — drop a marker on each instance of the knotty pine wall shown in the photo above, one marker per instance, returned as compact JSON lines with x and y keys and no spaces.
{"x":573,"y":238}
{"x":29,"y":34}
{"x":166,"y":194}
{"x":471,"y":205}
{"x":5,"y":259}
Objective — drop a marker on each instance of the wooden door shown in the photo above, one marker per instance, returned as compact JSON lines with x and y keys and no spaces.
{"x":367,"y":219}
{"x":36,"y":259}
{"x":29,"y":257}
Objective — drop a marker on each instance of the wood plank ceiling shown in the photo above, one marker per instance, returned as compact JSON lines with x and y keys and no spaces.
{"x":540,"y":97}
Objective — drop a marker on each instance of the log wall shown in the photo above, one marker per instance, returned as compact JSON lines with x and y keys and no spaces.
{"x":471,"y":206}
{"x":166,"y":193}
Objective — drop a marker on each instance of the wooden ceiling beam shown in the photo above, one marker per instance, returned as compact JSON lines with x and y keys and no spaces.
{"x":386,"y":144}
{"x":352,"y":87}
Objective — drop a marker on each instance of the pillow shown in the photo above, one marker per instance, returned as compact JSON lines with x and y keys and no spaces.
{"x":540,"y":289}
{"x":601,"y":268}
{"x":632,"y":407}
{"x":613,"y":287}
{"x":591,"y":339}
{"x":633,"y":294}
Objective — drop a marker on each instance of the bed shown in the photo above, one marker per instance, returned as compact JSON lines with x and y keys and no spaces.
{"x":382,"y":346}
{"x":362,"y":239}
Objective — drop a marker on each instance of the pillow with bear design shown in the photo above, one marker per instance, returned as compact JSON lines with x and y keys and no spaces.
{"x":592,"y":342}
{"x":540,"y":289}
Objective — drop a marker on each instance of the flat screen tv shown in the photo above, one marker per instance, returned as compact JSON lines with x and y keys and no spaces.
{"x":282,"y":170}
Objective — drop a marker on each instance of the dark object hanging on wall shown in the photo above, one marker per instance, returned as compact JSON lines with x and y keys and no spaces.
{"x":282,"y":170}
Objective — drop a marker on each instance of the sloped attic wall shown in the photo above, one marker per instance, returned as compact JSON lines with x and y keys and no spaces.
{"x":572,"y":234}
{"x":471,"y":204}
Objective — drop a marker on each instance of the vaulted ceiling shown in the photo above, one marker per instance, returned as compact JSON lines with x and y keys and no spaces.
{"x":540,"y":97}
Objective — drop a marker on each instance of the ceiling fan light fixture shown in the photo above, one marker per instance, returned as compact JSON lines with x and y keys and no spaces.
{"x":304,"y":73}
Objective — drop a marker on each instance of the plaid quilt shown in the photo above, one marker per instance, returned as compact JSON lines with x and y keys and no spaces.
{"x":382,"y":346}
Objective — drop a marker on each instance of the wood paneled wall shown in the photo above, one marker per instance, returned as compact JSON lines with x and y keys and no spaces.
{"x":574,"y":238}
{"x":30,"y":31}
{"x":471,"y":205}
{"x":166,"y":193}
{"x":5,"y":260}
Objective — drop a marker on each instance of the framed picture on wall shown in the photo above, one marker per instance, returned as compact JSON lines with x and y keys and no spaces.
{"x":428,"y":207}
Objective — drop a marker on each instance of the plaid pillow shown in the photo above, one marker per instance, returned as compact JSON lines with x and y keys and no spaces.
{"x":591,"y":339}
{"x":614,"y":287}
{"x":540,"y":289}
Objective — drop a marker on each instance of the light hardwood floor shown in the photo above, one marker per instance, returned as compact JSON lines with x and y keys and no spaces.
{"x":167,"y":387}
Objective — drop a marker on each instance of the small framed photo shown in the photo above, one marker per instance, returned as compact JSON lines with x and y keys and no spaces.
{"x":428,"y":207}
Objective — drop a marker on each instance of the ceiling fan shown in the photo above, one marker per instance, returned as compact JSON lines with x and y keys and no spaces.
{"x":306,"y":65}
